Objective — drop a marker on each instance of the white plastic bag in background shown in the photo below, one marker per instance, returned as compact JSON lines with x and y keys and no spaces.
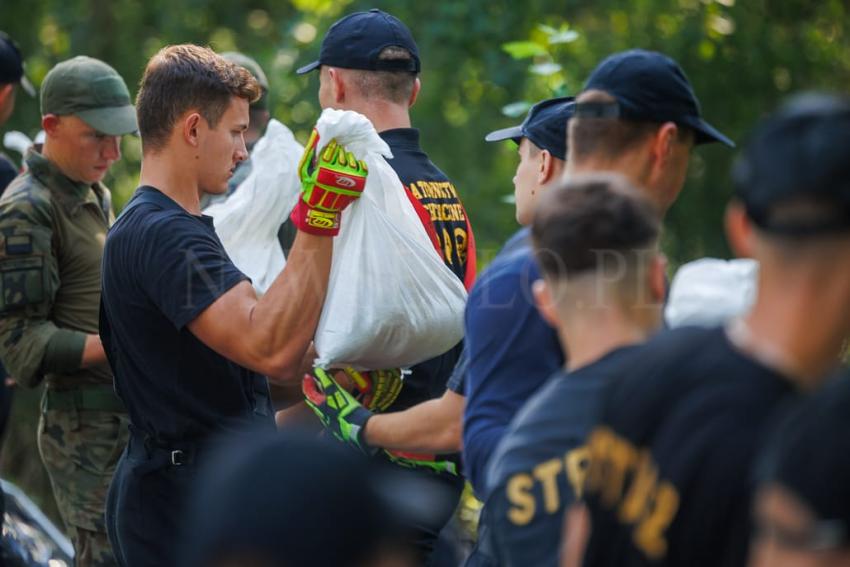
{"x":248,"y":221}
{"x":391,"y":300}
{"x":708,"y":292}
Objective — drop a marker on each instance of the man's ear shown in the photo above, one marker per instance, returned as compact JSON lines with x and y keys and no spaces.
{"x":6,"y":91}
{"x":191,"y":123}
{"x":545,"y":301}
{"x":546,"y":167}
{"x":415,"y":94}
{"x":662,"y":143}
{"x":337,"y":85}
{"x":50,"y":124}
{"x":739,"y":229}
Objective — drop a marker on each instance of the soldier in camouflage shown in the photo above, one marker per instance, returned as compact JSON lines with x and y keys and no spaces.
{"x":53,"y":224}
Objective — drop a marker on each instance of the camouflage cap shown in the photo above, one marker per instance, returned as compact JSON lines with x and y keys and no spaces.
{"x":91,"y":90}
{"x":254,"y":68}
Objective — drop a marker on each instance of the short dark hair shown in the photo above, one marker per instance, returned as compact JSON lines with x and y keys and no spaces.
{"x":607,"y":137}
{"x":185,"y":77}
{"x":582,"y":220}
{"x":394,"y":86}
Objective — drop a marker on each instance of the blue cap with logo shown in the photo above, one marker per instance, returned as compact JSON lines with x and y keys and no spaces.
{"x":545,"y":125}
{"x":648,"y":86}
{"x":356,"y":42}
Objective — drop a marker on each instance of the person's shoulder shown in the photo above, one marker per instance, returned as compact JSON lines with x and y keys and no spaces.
{"x":26,"y":199}
{"x":541,"y":429}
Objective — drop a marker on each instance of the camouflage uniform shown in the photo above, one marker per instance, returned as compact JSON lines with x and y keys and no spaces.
{"x":52,"y":232}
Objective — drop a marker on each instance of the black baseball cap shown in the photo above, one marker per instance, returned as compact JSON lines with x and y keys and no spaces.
{"x":12,"y":64}
{"x":800,"y":154}
{"x":356,"y":41}
{"x":648,"y":86}
{"x":251,"y":502}
{"x":545,"y":125}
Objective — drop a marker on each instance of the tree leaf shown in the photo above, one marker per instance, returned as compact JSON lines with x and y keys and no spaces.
{"x":565,"y":36}
{"x":516,"y":109}
{"x":548,"y":30}
{"x":523,"y":49}
{"x":545,"y":69}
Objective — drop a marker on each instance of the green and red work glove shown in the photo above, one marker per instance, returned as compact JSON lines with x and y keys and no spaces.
{"x":337,"y":409}
{"x":345,"y":417}
{"x":331,"y":179}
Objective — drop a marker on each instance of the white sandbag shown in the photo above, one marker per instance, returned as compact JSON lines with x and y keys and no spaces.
{"x":392,"y":301}
{"x":248,"y":221}
{"x":708,"y":292}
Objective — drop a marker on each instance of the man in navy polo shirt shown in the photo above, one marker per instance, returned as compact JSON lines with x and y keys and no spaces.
{"x":186,"y":335}
{"x":512,"y":351}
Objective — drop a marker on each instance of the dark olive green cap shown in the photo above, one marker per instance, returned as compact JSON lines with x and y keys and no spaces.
{"x":254,"y":68}
{"x":92,"y":91}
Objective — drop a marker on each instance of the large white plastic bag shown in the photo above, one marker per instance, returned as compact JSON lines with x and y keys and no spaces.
{"x":248,"y":221}
{"x":391,"y":300}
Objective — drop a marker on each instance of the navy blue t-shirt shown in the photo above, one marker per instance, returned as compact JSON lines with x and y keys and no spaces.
{"x":511,"y":352}
{"x":161,"y":268}
{"x":537,"y":470}
{"x":670,"y":476}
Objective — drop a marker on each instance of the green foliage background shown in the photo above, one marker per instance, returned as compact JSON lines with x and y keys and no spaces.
{"x":742,"y":56}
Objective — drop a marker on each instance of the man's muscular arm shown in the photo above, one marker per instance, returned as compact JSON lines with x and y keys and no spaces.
{"x":270,"y":335}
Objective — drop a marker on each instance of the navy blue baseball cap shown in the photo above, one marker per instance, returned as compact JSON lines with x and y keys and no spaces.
{"x":648,"y":86}
{"x":800,"y":153}
{"x":12,"y":65}
{"x":545,"y":125}
{"x":356,"y":41}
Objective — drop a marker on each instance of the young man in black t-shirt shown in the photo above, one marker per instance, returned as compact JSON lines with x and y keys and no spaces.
{"x":185,"y":334}
{"x":670,"y":479}
{"x":602,"y":305}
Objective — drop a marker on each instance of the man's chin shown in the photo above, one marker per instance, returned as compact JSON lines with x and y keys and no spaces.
{"x":215,"y":190}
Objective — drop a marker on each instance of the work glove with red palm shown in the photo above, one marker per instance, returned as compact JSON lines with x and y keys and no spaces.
{"x":331,"y":179}
{"x":337,"y":409}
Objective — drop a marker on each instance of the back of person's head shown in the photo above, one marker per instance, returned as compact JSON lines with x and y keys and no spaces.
{"x":183,"y":78}
{"x":792,"y":180}
{"x":392,"y":86}
{"x":638,"y":115}
{"x":287,"y":500}
{"x":378,"y":54}
{"x":802,"y":505}
{"x":596,"y":241}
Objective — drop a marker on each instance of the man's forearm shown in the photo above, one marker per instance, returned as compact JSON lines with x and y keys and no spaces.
{"x":433,"y":426}
{"x":284,"y":320}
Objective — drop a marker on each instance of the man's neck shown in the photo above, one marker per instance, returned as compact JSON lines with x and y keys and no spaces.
{"x":56,"y":159}
{"x":590,"y":334}
{"x":383,"y":115}
{"x":178,"y":182}
{"x":794,"y":330}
